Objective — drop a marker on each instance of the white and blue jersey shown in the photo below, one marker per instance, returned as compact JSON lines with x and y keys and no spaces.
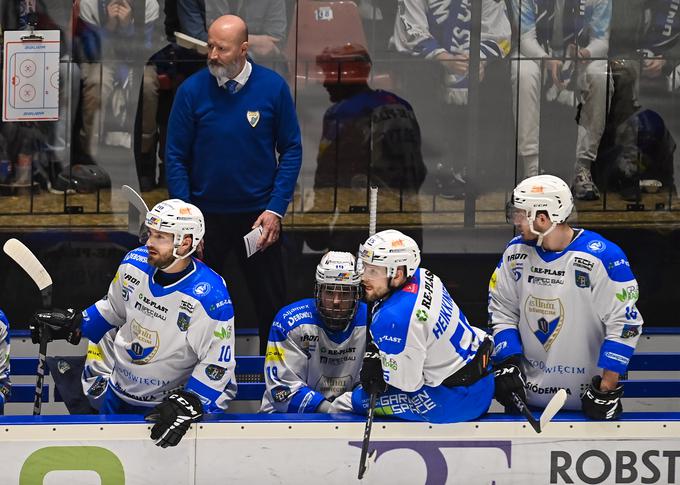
{"x":179,"y":336}
{"x":570,"y":314}
{"x":426,"y":28}
{"x":424,"y":338}
{"x":584,"y":23}
{"x":306,"y":364}
{"x":5,"y":384}
{"x":662,"y":27}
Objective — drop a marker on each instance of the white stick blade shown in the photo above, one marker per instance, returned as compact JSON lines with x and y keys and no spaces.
{"x":135,"y":199}
{"x":553,"y":407}
{"x":23,"y":256}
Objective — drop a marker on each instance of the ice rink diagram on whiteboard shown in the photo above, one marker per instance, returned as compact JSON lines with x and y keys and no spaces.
{"x":31,"y":84}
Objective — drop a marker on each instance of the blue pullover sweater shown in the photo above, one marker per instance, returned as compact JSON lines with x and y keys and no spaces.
{"x":221,"y":148}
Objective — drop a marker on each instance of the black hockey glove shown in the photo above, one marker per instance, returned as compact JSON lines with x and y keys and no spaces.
{"x":601,"y":405}
{"x":173,"y":417}
{"x":371,"y":375}
{"x":59,"y":325}
{"x":508,"y":379}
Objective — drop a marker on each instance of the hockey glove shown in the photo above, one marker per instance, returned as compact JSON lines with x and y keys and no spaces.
{"x":371,"y":375}
{"x":59,"y":325}
{"x":173,"y":417}
{"x":601,"y":405}
{"x":508,"y":379}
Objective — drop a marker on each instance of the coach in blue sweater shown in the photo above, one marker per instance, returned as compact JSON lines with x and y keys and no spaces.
{"x":227,"y":124}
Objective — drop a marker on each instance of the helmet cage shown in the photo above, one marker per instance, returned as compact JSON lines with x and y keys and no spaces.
{"x":337,"y":304}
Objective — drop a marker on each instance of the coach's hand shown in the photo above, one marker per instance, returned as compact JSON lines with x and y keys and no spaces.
{"x":271,"y":229}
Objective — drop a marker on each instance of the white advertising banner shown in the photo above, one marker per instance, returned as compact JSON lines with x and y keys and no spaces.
{"x":328,"y":453}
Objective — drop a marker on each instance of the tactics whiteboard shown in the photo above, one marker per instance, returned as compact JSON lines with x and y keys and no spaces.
{"x":31,"y":76}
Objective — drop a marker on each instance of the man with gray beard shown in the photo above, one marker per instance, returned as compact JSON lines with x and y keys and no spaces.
{"x":227,"y":125}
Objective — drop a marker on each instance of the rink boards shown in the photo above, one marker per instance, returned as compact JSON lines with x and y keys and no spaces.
{"x":642,"y":448}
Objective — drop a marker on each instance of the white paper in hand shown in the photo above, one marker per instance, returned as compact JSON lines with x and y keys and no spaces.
{"x":251,"y":239}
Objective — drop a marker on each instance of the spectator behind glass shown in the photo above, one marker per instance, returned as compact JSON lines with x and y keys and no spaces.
{"x":563,"y":35}
{"x":266,"y":19}
{"x":638,"y":143}
{"x":117,"y":40}
{"x":440,"y":32}
{"x":370,"y":137}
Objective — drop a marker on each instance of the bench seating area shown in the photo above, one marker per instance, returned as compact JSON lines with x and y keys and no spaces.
{"x":250,"y":375}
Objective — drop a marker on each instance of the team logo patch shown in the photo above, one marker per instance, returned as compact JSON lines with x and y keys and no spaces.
{"x":223,"y":333}
{"x":545,"y":318}
{"x":253,"y":118}
{"x":516,"y":269}
{"x":421,"y":315}
{"x":410,"y":288}
{"x":125,"y":292}
{"x":144,"y":344}
{"x":334,"y":385}
{"x":597,"y":246}
{"x":98,"y":387}
{"x":63,"y":366}
{"x":582,"y":279}
{"x":202,"y":288}
{"x":280,"y":393}
{"x":630,"y":331}
{"x":215,"y":372}
{"x":183,"y":321}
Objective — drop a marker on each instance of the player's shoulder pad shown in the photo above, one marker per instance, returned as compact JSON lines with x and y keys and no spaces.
{"x":302,"y":312}
{"x":292,"y":317}
{"x":516,"y":249}
{"x":139,"y":259}
{"x":389,"y":329}
{"x":209,"y":289}
{"x":611,"y":256}
{"x":360,"y":317}
{"x":391,"y":321}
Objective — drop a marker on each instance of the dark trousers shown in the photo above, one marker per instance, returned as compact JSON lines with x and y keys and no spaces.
{"x":263,"y":273}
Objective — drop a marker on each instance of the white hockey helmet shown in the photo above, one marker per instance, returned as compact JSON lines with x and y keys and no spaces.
{"x":391,"y":249}
{"x":338,"y":289}
{"x":543,"y":193}
{"x":180,"y":219}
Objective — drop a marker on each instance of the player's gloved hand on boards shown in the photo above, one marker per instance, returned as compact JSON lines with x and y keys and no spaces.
{"x":61,"y":325}
{"x":602,"y":405}
{"x":508,"y":379}
{"x":173,"y":417}
{"x":371,"y":375}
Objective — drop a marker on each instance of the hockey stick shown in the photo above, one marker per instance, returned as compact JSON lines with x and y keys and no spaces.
{"x":549,"y":412}
{"x":366,"y":458}
{"x":135,"y":217}
{"x":23,"y":256}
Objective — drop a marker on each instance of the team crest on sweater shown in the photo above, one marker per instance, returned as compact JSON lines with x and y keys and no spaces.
{"x":253,"y":118}
{"x":545,"y":318}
